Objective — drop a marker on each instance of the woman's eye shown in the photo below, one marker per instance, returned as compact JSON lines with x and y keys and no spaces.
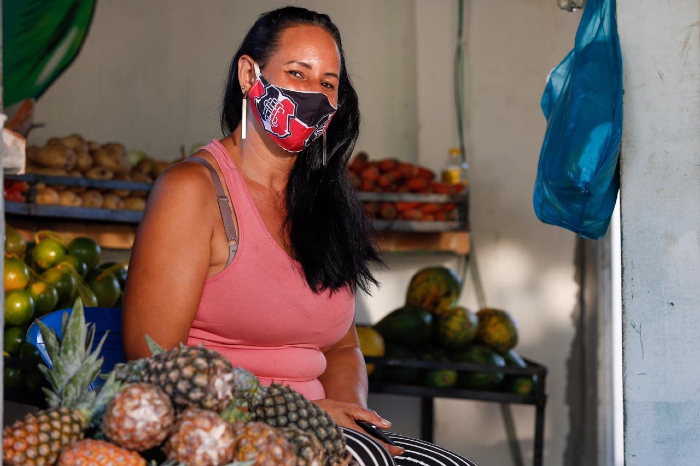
{"x":296,"y":74}
{"x":328,"y":86}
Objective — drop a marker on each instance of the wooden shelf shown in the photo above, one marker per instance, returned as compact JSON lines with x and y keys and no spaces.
{"x":456,"y":242}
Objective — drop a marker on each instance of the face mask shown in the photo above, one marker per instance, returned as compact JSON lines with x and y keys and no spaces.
{"x":293,"y":119}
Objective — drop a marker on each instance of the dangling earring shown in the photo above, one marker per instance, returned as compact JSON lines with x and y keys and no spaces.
{"x":244,"y":112}
{"x":325,"y":157}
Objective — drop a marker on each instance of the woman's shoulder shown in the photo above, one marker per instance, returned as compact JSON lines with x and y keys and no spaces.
{"x":187,"y":178}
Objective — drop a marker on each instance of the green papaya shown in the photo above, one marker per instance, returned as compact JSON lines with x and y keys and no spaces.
{"x":479,"y":354}
{"x":407,"y":326}
{"x":518,"y":384}
{"x":435,"y":289}
{"x":437,"y":378}
{"x":455,"y":328}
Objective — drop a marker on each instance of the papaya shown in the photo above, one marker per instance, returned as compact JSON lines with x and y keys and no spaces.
{"x":371,"y":344}
{"x":518,"y":384}
{"x":455,"y":328}
{"x":406,"y":326}
{"x":397,"y":374}
{"x":435,"y":289}
{"x":497,"y":330}
{"x":479,"y":354}
{"x":437,"y":378}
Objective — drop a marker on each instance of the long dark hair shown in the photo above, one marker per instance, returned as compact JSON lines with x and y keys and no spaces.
{"x":329,"y":232}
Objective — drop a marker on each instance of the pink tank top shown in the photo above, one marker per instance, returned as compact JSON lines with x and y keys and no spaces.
{"x":259,"y":311}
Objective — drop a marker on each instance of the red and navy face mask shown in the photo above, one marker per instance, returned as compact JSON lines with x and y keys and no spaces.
{"x":293,"y":119}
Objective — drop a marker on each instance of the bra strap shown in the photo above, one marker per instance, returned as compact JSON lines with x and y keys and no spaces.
{"x":224,"y":208}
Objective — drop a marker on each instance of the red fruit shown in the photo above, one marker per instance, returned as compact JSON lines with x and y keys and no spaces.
{"x":441,"y":188}
{"x":388,"y":211}
{"x":440,"y":216}
{"x":425,"y":173}
{"x":431,"y":208}
{"x":386,"y":180}
{"x":368,"y":185}
{"x":387,"y":165}
{"x":407,"y":170}
{"x":404,"y":206}
{"x":417,"y":184}
{"x":412,"y":214}
{"x":359,"y":163}
{"x":370,"y":173}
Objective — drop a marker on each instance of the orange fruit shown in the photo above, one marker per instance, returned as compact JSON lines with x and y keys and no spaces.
{"x":13,"y":378}
{"x":45,"y":297}
{"x":13,"y":338}
{"x":62,"y":280}
{"x":48,"y":253}
{"x":78,"y":264}
{"x":106,"y":288}
{"x":19,"y":307}
{"x":16,"y":274}
{"x":87,"y":250}
{"x":14,"y":242}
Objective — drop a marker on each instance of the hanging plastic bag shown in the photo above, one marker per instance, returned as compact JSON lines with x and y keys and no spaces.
{"x":577,"y":177}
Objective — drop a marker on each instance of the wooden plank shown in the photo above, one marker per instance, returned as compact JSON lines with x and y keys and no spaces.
{"x":456,"y":242}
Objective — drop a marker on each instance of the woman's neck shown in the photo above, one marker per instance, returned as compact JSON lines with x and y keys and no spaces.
{"x":260,"y":159}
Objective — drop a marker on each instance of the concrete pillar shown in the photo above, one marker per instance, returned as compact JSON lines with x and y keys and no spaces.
{"x":660,"y":171}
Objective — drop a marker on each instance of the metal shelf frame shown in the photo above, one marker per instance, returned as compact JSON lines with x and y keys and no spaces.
{"x":538,"y":398}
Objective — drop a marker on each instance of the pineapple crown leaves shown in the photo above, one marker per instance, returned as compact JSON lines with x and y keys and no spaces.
{"x":75,"y":364}
{"x":154,"y":347}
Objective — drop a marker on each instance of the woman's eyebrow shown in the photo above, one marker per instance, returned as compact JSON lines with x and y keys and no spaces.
{"x":306,"y":65}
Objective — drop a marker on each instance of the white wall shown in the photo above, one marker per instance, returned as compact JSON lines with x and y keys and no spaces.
{"x":151,"y":77}
{"x":660,"y":192}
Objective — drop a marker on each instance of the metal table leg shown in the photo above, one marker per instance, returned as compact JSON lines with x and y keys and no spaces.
{"x":539,"y":432}
{"x":427,"y":417}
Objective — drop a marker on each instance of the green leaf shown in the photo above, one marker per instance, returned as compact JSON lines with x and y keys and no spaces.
{"x":50,"y":340}
{"x":40,"y":40}
{"x":154,"y":347}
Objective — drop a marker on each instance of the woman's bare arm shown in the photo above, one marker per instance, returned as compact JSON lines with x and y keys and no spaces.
{"x":169,"y":261}
{"x":345,"y":377}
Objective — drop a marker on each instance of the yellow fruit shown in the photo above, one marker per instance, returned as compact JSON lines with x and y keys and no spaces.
{"x":371,"y":344}
{"x":16,"y":274}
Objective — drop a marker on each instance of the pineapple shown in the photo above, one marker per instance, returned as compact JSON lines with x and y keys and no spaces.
{"x":200,"y":437}
{"x":280,"y":406}
{"x":39,"y":438}
{"x":308,"y":448}
{"x":98,"y":453}
{"x":191,"y":376}
{"x":263,"y":444}
{"x":139,"y":417}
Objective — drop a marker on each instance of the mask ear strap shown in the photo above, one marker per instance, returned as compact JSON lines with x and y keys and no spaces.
{"x":256,"y":67}
{"x":325,"y":157}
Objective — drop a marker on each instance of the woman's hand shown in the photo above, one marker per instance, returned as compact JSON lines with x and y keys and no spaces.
{"x":345,"y":414}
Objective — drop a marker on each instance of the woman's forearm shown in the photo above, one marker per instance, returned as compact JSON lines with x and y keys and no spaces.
{"x":345,"y":378}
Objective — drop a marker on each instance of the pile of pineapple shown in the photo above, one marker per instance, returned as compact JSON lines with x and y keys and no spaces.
{"x":187,"y":405}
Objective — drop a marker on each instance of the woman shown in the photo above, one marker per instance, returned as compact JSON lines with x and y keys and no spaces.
{"x":279,"y":302}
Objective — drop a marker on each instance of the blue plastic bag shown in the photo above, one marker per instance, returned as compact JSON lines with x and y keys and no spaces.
{"x":577,"y":177}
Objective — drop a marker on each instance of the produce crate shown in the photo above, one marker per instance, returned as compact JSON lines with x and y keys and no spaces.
{"x":538,"y":398}
{"x":380,"y":204}
{"x":32,"y":209}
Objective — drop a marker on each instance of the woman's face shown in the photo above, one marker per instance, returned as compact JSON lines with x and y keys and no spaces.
{"x":307,"y":60}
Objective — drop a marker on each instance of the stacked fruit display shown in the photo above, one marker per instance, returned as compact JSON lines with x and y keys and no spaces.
{"x":45,"y":277}
{"x":430,"y":327}
{"x":187,"y":405}
{"x":74,"y":156}
{"x":392,"y":176}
